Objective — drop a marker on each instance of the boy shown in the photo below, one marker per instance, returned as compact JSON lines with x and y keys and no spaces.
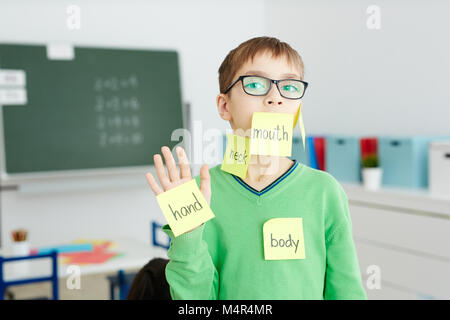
{"x":224,"y":257}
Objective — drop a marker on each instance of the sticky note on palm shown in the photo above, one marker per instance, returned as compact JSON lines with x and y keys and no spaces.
{"x":283,"y":239}
{"x":236,"y":155}
{"x":184,"y":207}
{"x":271,"y":134}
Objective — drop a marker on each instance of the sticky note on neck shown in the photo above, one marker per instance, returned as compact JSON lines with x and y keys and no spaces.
{"x":184,"y":207}
{"x":283,"y":239}
{"x":271,"y":134}
{"x":237,"y":155}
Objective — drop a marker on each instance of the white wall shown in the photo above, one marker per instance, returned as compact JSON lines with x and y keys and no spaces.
{"x":391,"y":81}
{"x":203,"y":32}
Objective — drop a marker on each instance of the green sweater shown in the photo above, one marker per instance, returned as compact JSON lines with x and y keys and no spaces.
{"x":224,"y":258}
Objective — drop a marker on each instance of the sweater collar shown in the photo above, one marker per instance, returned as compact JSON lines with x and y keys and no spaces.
{"x":271,"y":185}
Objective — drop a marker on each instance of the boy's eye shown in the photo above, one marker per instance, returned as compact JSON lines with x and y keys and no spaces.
{"x":254,"y":85}
{"x":290,"y":88}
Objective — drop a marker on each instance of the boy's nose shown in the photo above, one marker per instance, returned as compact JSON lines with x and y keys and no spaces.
{"x":274,"y":102}
{"x":273,"y":98}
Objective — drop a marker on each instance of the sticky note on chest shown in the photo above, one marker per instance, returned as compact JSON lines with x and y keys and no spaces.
{"x":237,"y":155}
{"x":283,"y":239}
{"x":271,"y":134}
{"x":184,"y":207}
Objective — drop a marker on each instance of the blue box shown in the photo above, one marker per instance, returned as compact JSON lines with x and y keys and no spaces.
{"x":298,"y":153}
{"x":343,"y":158}
{"x":404,"y":160}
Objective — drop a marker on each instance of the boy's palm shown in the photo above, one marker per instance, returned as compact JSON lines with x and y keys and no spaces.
{"x":177,"y":177}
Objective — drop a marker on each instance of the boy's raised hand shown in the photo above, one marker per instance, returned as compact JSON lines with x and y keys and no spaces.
{"x":177,"y":177}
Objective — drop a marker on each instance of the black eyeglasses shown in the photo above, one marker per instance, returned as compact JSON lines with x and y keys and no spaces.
{"x":260,"y":86}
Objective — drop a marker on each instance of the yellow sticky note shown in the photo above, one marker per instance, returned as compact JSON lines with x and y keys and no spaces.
{"x":237,"y":155}
{"x":302,"y":127}
{"x":296,"y":115}
{"x":184,"y":207}
{"x":271,"y":134}
{"x":283,"y":239}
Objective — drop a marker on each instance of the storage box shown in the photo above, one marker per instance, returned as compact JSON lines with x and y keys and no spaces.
{"x":439,"y":168}
{"x":298,"y":153}
{"x":343,"y":158}
{"x":404,"y":160}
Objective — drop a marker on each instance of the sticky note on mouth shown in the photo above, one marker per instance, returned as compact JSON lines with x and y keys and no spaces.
{"x":184,"y":207}
{"x":271,"y":134}
{"x":283,"y":239}
{"x":237,"y":155}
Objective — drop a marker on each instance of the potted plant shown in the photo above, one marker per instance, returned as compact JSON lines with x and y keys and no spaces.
{"x":371,"y":170}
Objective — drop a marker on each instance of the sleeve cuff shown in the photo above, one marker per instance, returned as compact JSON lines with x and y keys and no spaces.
{"x":186,"y":242}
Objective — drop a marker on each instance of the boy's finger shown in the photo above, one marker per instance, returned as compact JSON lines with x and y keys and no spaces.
{"x":185,"y":169}
{"x":160,"y":172}
{"x":170,"y":164}
{"x":153,"y":184}
{"x":205,"y":181}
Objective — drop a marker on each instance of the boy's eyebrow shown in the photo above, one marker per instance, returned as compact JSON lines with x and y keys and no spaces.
{"x":262,"y":73}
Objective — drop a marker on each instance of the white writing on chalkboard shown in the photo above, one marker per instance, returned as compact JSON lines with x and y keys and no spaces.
{"x":120,"y":139}
{"x":117,"y":121}
{"x":117,"y":110}
{"x":115,"y":83}
{"x":115,"y":103}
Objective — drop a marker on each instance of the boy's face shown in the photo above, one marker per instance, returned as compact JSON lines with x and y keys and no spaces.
{"x":238,"y":107}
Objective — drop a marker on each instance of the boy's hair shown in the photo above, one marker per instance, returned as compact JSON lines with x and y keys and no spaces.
{"x":248,"y":49}
{"x":150,"y":282}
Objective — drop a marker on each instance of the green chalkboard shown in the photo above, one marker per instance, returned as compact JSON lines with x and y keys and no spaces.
{"x":105,"y":108}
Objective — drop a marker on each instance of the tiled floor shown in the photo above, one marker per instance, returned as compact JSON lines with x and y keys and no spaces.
{"x":92,"y":287}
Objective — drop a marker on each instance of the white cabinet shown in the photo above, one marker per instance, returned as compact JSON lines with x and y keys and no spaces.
{"x":406,"y":234}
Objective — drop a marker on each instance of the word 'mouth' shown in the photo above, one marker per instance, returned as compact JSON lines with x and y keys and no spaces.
{"x":187,"y":210}
{"x":273,"y":135}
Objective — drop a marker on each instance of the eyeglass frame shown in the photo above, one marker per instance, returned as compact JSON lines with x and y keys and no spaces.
{"x":241,"y":78}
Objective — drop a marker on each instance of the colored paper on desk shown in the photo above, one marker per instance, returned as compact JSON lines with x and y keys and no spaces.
{"x":97,"y":256}
{"x":97,"y":242}
{"x":184,"y":207}
{"x":63,"y":248}
{"x":237,"y":155}
{"x":283,"y":239}
{"x":271,"y":134}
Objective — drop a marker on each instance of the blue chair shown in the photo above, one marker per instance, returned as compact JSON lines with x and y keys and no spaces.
{"x":122,"y":281}
{"x":53,"y":278}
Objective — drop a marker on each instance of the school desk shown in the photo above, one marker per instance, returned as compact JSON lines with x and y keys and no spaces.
{"x":134,"y":255}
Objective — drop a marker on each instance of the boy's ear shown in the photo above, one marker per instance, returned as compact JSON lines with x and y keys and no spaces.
{"x":222,"y":106}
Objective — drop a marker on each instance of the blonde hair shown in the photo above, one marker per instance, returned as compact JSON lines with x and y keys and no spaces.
{"x":248,"y":49}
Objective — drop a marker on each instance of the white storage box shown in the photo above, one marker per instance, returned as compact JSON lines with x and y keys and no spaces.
{"x":439,"y":169}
